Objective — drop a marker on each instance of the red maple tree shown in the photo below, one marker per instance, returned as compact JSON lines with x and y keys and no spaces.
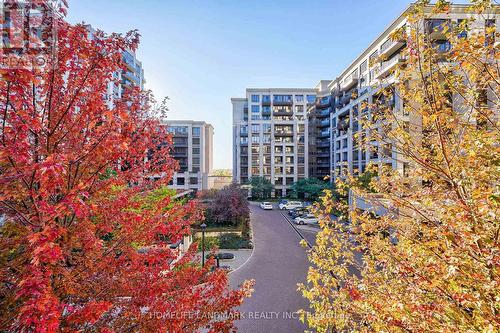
{"x":79,"y":205}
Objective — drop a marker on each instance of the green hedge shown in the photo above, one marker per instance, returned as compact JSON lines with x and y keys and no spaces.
{"x":228,"y":241}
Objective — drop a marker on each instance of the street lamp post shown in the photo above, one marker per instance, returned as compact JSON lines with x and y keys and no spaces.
{"x":203,"y":227}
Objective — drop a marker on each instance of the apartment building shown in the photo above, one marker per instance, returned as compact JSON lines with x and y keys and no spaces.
{"x":131,"y":76}
{"x":320,"y":133}
{"x":193,"y":149}
{"x":361,"y":82}
{"x":270,"y":136}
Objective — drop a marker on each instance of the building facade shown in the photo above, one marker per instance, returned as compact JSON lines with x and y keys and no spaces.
{"x":193,"y":150}
{"x":361,"y":83}
{"x":270,"y":136}
{"x":282,"y":138}
{"x":319,"y":124}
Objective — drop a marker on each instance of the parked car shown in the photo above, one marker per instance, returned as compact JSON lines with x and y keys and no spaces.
{"x":307,"y":219}
{"x":282,"y":201}
{"x":290,"y":205}
{"x":296,"y":212}
{"x":266,"y":205}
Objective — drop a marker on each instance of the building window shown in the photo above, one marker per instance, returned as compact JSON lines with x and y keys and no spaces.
{"x":490,"y":25}
{"x":282,"y":98}
{"x":266,"y":128}
{"x":299,"y":108}
{"x":243,"y":140}
{"x":255,"y":108}
{"x":196,"y":160}
{"x":196,"y":141}
{"x":256,"y":128}
{"x":181,"y":181}
{"x":266,"y":98}
{"x":255,"y":139}
{"x":255,"y":98}
{"x":363,"y":67}
{"x":196,"y":131}
{"x":193,"y":180}
{"x":311,"y":99}
{"x":196,"y":151}
{"x":299,"y":98}
{"x":178,"y":130}
{"x":255,"y":117}
{"x":266,"y":138}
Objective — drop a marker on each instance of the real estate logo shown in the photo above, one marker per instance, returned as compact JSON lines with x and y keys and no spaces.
{"x":29,"y":34}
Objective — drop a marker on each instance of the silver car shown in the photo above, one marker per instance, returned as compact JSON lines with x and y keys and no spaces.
{"x":306,"y":219}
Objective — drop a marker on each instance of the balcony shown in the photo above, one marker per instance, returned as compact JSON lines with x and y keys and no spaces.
{"x":324,"y":134}
{"x":346,"y":99}
{"x":179,"y":154}
{"x":266,"y":111}
{"x":281,"y":100}
{"x":180,"y":143}
{"x":243,"y":133}
{"x":323,"y":102}
{"x":391,"y":46}
{"x":323,"y":113}
{"x":349,"y":81}
{"x":323,"y":154}
{"x":323,"y":143}
{"x":266,"y":100}
{"x":387,"y":67}
{"x":324,"y":123}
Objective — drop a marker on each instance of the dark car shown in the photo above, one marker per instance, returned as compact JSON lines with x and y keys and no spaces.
{"x":298,"y":212}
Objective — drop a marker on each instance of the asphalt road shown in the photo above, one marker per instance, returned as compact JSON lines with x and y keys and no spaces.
{"x":277,"y":264}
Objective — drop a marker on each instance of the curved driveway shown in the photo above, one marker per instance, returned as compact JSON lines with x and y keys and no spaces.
{"x":277,"y":264}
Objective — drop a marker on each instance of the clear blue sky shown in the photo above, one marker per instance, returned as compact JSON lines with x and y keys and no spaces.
{"x":201,"y":53}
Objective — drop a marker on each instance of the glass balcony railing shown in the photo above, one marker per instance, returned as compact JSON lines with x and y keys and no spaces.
{"x":324,"y":113}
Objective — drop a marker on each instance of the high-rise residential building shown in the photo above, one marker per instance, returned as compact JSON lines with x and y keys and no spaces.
{"x":319,"y":123}
{"x":361,"y":84}
{"x":132,"y":76}
{"x":270,"y":136}
{"x":193,"y":150}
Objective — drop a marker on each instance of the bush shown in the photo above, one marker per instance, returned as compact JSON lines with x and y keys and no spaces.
{"x":233,"y":242}
{"x":210,"y":243}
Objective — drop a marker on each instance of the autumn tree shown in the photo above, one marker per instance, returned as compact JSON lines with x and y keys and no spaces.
{"x":79,"y":203}
{"x":229,"y":206}
{"x":430,"y":262}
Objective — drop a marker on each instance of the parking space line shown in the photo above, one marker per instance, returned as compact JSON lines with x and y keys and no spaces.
{"x":297,"y":230}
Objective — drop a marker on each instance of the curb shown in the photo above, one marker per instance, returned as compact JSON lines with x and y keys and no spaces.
{"x":253,"y":247}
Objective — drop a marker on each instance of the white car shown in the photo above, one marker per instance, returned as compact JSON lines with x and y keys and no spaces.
{"x":266,"y":205}
{"x":290,"y":205}
{"x":307,"y":219}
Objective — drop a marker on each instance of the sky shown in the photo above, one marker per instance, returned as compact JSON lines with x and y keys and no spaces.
{"x":200,"y":53}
